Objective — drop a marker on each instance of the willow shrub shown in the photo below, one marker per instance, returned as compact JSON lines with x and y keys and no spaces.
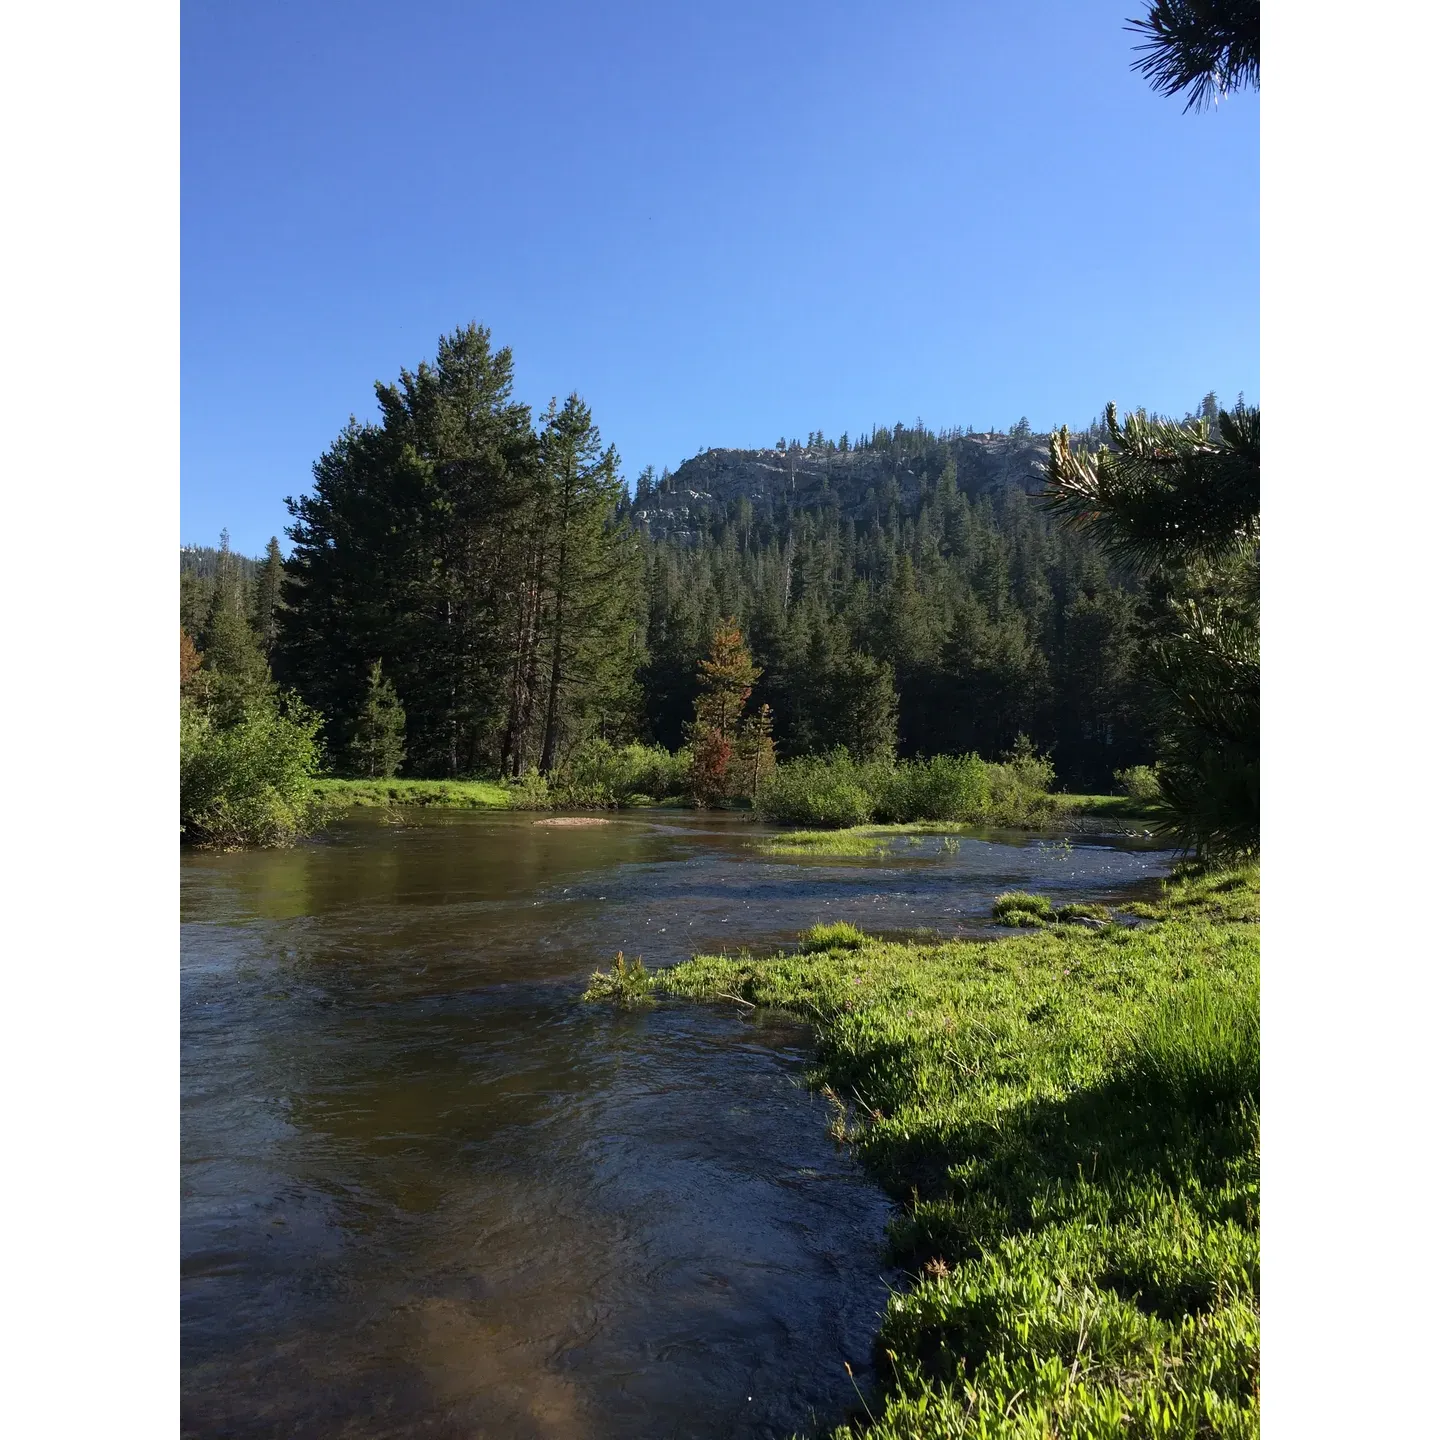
{"x":600,"y":775}
{"x":825,"y":792}
{"x":251,"y":781}
{"x":943,"y":787}
{"x":835,"y":790}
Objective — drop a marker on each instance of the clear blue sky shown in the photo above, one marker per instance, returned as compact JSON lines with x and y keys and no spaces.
{"x":719,"y":222}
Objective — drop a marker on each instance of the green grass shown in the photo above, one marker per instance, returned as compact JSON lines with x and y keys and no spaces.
{"x":856,"y":841}
{"x":1069,"y":1120}
{"x":1109,"y":807}
{"x":1015,"y":907}
{"x":862,"y":840}
{"x":626,"y":983}
{"x":1081,"y":911}
{"x":451,"y":794}
{"x":842,"y":935}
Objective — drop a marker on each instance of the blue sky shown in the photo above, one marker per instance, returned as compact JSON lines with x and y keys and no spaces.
{"x":720,"y":223}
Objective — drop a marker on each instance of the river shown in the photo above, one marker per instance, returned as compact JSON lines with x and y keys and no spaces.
{"x":426,"y":1192}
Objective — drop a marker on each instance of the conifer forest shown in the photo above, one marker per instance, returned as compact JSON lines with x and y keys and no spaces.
{"x":475,"y":592}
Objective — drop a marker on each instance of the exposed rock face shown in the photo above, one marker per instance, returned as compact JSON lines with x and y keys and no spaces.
{"x":850,"y":480}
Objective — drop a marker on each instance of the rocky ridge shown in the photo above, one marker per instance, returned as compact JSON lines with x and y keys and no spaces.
{"x":850,"y":480}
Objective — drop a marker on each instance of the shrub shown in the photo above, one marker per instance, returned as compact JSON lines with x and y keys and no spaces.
{"x":1139,"y":782}
{"x":251,"y":781}
{"x":835,"y":791}
{"x":530,"y":792}
{"x":944,"y":787}
{"x":826,"y":793}
{"x":841,"y":935}
{"x":599,"y":773}
{"x":1020,"y":787}
{"x":1016,"y":907}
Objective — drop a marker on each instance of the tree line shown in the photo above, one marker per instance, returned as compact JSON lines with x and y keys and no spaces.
{"x":471,"y":591}
{"x":487,"y":561}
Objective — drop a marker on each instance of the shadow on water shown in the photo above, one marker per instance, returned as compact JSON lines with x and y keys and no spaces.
{"x":427,"y":1193}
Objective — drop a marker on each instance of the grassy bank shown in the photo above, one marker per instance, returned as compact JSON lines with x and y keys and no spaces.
{"x":1070,"y":1120}
{"x":452,"y":794}
{"x":863,"y":840}
{"x":1108,"y":807}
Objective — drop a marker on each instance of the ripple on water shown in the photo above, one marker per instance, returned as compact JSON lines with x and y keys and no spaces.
{"x":428,"y":1193}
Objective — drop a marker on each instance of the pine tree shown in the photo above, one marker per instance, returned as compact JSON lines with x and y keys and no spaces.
{"x":377,"y":749}
{"x":236,"y":677}
{"x":726,"y":677}
{"x":1208,"y":48}
{"x":860,"y":692}
{"x":267,"y":597}
{"x":592,"y":581}
{"x":1179,"y":503}
{"x":754,"y":757}
{"x":411,"y":548}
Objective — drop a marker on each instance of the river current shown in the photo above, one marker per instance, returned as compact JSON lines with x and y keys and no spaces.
{"x":427,"y":1192}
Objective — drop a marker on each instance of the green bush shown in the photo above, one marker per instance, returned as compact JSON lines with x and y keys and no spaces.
{"x":826,"y":793}
{"x":249,"y":782}
{"x":833,"y":791}
{"x":1139,"y":782}
{"x":1013,"y":800}
{"x":530,"y":791}
{"x":600,"y":775}
{"x":943,"y":787}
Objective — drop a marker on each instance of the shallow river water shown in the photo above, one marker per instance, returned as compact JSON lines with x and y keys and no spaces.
{"x":426,"y":1192}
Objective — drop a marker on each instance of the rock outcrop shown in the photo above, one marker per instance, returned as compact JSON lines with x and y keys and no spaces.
{"x":851,"y":480}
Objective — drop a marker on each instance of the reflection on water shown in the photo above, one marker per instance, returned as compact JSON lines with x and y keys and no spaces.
{"x":426,"y":1193}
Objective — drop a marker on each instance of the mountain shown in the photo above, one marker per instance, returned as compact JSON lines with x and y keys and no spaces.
{"x":856,"y":482}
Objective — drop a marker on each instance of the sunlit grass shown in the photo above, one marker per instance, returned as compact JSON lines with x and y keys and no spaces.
{"x":451,"y":794}
{"x":841,"y":935}
{"x":1079,"y":911}
{"x":1069,"y":1121}
{"x":1016,"y":907}
{"x":854,"y":842}
{"x":626,"y":982}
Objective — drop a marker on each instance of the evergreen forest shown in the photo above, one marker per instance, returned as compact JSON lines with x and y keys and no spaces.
{"x":490,"y":569}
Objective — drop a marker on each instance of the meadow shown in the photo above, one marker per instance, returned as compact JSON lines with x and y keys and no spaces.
{"x":1068,"y":1118}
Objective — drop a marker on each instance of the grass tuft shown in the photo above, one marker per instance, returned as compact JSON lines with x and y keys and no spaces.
{"x":1017,"y":907}
{"x":1078,"y":911}
{"x":841,"y":935}
{"x":823,"y":842}
{"x":626,"y":983}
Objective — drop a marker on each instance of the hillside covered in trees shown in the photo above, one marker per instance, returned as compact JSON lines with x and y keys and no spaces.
{"x":903,"y":591}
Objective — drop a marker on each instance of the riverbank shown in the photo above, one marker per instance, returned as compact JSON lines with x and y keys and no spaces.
{"x":855,"y":840}
{"x":444,"y":794}
{"x":1071,"y":1123}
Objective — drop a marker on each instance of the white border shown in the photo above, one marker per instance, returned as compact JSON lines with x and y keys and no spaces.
{"x":90,"y":114}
